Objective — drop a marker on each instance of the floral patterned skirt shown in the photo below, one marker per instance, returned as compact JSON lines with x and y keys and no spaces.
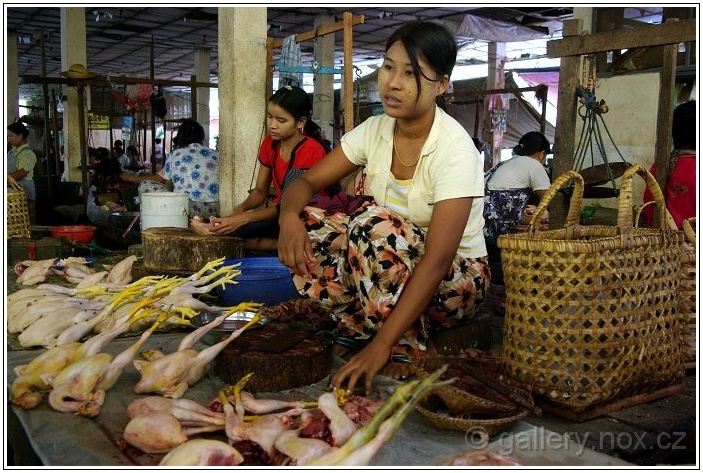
{"x":364,"y":261}
{"x":503,"y":211}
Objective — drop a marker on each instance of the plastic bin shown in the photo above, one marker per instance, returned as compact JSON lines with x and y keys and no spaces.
{"x":262,"y":279}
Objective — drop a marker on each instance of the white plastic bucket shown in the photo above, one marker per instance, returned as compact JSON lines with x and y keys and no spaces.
{"x":164,"y":209}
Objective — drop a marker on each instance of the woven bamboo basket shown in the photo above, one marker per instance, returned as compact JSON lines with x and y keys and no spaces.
{"x":476,"y":401}
{"x":469,"y":404}
{"x":474,"y":388}
{"x":687,"y":285}
{"x":591,"y":312}
{"x":17,"y":211}
{"x":490,"y":426}
{"x":687,"y":292}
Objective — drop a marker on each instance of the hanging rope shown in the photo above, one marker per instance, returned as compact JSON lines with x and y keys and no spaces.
{"x":591,"y":132}
{"x":357,"y":81}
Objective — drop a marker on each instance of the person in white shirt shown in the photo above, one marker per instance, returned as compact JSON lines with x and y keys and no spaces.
{"x":512,"y":183}
{"x":158,"y":153}
{"x":510,"y":186}
{"x":121,"y":157}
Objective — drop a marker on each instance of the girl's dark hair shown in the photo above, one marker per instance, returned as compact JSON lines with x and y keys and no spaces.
{"x":18,"y":128}
{"x":434,"y":42}
{"x":296,"y":101}
{"x":190,"y":132}
{"x":532,"y":142}
{"x":683,"y":126}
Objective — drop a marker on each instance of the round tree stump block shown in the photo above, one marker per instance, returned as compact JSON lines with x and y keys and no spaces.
{"x":306,"y":362}
{"x":172,"y":249}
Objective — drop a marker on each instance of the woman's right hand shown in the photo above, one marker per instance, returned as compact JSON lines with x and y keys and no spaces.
{"x":294,"y":246}
{"x":228,"y":224}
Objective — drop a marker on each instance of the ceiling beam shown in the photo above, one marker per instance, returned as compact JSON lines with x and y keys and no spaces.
{"x":649,"y":35}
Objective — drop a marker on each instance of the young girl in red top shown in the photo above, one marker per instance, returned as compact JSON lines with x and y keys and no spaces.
{"x":292,"y":146}
{"x":680,"y":195}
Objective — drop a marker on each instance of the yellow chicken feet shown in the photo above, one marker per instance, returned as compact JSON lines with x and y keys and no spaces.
{"x":237,"y":394}
{"x":244,"y":307}
{"x":210,"y":265}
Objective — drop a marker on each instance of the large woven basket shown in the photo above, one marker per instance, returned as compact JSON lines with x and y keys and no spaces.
{"x":591,"y":312}
{"x":17,"y":211}
{"x":687,"y":292}
{"x":687,"y":284}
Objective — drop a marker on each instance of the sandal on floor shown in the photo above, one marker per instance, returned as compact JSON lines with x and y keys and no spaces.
{"x":351,"y":345}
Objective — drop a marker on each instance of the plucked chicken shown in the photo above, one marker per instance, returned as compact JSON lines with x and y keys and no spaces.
{"x":81,"y":386}
{"x":155,"y":432}
{"x":171,"y":375}
{"x":34,"y":272}
{"x":33,"y":379}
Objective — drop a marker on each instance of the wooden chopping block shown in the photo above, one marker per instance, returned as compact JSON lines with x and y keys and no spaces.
{"x":171,"y":249}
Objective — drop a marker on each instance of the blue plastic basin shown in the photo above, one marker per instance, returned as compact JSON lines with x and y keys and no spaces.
{"x":262,"y":279}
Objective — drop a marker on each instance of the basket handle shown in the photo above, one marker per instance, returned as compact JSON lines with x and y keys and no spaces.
{"x":687,"y":226}
{"x":669,"y":219}
{"x":574,"y":214}
{"x":13,"y":184}
{"x":625,"y":199}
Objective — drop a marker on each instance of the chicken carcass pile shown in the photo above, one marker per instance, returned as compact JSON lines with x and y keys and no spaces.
{"x":332,"y":430}
{"x":77,"y":375}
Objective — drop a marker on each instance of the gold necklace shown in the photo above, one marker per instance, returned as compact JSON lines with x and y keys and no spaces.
{"x":395,"y":132}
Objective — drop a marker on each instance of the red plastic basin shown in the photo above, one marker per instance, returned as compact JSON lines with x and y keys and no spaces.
{"x":77,"y":233}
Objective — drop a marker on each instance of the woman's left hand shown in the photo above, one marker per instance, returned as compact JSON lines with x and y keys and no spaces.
{"x":201,"y":227}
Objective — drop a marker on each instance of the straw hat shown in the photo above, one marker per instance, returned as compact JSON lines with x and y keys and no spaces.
{"x":78,"y":71}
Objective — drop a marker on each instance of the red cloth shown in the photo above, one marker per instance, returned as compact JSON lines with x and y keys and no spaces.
{"x":680,"y":196}
{"x":307,"y":153}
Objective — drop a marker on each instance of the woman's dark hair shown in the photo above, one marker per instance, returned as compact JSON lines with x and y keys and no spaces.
{"x":683,"y":126}
{"x":434,"y":42}
{"x":532,"y":142}
{"x":18,"y":128}
{"x":190,"y":132}
{"x":296,"y":101}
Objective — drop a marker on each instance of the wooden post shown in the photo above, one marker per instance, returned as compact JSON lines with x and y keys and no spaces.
{"x":153,"y":121}
{"x":348,"y":74}
{"x":193,"y":98}
{"x":80,"y":88}
{"x":665,"y":112}
{"x":564,"y":137}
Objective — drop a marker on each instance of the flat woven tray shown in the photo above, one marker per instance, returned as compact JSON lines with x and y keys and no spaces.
{"x":474,"y":426}
{"x":477,"y":401}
